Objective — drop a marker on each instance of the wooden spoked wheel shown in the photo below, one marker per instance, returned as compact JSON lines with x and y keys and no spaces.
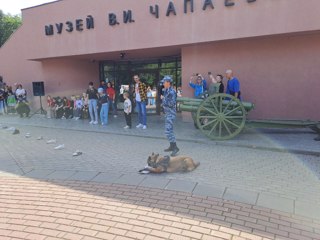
{"x":221,"y":117}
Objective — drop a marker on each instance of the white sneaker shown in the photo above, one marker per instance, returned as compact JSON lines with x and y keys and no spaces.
{"x":95,"y":123}
{"x":144,"y":127}
{"x":77,"y":153}
{"x":91,"y":122}
{"x":139,"y":125}
{"x":51,"y":141}
{"x":59,"y":147}
{"x":115,"y":116}
{"x":126,"y":127}
{"x":39,"y":138}
{"x":28,"y":135}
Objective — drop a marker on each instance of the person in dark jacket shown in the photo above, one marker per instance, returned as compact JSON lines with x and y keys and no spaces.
{"x":217,"y":85}
{"x":104,"y":106}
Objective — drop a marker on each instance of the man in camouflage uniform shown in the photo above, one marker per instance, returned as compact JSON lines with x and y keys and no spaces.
{"x":169,"y":105}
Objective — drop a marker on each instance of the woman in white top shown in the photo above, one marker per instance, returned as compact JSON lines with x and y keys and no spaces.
{"x":20,"y":92}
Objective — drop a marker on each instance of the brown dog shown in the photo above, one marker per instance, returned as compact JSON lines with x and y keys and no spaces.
{"x":161,"y":164}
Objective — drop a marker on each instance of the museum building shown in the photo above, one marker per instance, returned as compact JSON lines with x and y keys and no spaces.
{"x":272,"y":46}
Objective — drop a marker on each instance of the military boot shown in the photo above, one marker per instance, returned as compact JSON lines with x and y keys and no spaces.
{"x":175,"y":150}
{"x":169,"y":149}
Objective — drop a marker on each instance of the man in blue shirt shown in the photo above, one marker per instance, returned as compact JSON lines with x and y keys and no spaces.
{"x":233,"y":86}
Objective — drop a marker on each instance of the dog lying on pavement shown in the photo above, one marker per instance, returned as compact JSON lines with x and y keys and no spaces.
{"x":162,"y":164}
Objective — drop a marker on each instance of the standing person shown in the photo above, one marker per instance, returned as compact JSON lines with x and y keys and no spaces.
{"x":233,"y":85}
{"x":141,"y":97}
{"x":92,"y":95}
{"x":78,"y":108}
{"x":104,"y":106}
{"x":2,"y":107}
{"x":199,"y":87}
{"x":127,"y":108}
{"x":1,"y":82}
{"x":103,"y":85}
{"x":169,"y":106}
{"x":149,"y":96}
{"x":112,"y":98}
{"x":217,"y":85}
{"x":6,"y":94}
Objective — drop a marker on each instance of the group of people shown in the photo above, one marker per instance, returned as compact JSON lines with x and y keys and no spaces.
{"x":13,"y":101}
{"x":200,"y":86}
{"x":82,"y":106}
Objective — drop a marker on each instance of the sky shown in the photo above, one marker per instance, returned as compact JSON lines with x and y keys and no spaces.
{"x":14,"y":6}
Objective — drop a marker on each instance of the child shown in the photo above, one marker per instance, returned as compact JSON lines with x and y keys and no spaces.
{"x":127,"y":107}
{"x":103,"y":102}
{"x":85,"y":108}
{"x":78,"y":108}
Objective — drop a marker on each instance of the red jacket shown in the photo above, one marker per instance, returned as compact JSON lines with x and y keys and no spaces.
{"x":111,"y":93}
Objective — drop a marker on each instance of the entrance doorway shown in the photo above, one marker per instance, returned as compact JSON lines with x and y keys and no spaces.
{"x":120,"y":74}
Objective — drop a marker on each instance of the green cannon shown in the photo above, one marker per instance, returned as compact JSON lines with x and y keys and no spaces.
{"x":222,"y":116}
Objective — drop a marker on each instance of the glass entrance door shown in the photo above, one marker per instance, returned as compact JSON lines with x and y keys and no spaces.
{"x":120,"y":74}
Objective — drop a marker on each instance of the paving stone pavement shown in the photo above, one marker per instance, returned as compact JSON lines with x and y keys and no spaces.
{"x":37,"y":209}
{"x":284,"y":183}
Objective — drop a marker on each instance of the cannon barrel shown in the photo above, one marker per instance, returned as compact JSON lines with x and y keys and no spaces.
{"x":185,"y":99}
{"x":194,"y":109}
{"x":192,"y":104}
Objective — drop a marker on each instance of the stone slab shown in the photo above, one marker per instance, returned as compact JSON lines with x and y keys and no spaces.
{"x":83,"y":176}
{"x":180,"y":185}
{"x":154,"y":182}
{"x":243,"y":196}
{"x":130,"y":179}
{"x":275,"y":202}
{"x":209,"y":190}
{"x":106,"y":177}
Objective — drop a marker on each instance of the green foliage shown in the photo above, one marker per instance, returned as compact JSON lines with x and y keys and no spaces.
{"x":8,"y":24}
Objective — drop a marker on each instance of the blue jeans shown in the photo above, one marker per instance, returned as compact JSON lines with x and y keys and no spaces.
{"x":93,"y":109}
{"x":142,"y":112}
{"x":114,"y":107}
{"x":104,"y":113}
{"x":2,"y":106}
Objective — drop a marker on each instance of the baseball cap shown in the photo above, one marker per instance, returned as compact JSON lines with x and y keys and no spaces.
{"x":166,"y":78}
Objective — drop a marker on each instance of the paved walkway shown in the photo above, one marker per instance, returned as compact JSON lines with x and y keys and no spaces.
{"x":285,"y":186}
{"x":282,"y":140}
{"x":33,"y":209}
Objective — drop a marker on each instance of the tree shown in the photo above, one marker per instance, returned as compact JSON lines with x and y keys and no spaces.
{"x":8,"y":24}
